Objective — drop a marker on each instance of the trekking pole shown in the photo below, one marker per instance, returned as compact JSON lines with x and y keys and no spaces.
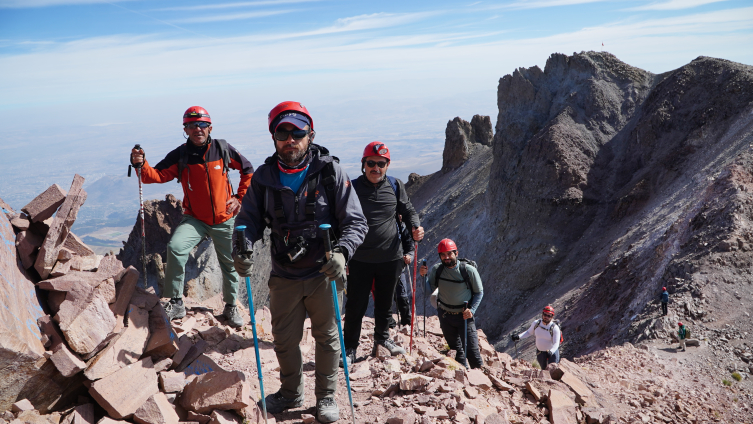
{"x":141,"y":213}
{"x":324,"y":228}
{"x":425,"y":296}
{"x":413,"y":301}
{"x":240,"y":240}
{"x":465,"y":337}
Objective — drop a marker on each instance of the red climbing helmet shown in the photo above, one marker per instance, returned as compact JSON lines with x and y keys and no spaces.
{"x":293,"y":107}
{"x":663,"y":289}
{"x":446,"y":245}
{"x":549,"y":309}
{"x":679,"y":324}
{"x":196,"y":114}
{"x":377,"y":148}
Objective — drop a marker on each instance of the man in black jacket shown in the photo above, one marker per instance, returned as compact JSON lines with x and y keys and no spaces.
{"x":379,"y":259}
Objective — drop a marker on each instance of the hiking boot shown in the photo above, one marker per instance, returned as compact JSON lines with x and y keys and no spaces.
{"x":350,"y":355}
{"x":233,"y":316}
{"x":327,"y":410}
{"x":390,"y":345}
{"x":175,"y":309}
{"x":277,"y":403}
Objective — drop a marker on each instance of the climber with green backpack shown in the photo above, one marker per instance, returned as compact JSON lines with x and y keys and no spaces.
{"x":459,"y":293}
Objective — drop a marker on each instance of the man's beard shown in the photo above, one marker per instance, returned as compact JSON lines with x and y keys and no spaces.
{"x":450,"y":263}
{"x":293,"y":158}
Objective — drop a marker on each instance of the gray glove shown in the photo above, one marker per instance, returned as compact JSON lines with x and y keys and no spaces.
{"x":243,"y":264}
{"x":334,"y":269}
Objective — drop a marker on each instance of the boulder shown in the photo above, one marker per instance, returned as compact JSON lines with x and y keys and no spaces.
{"x":85,"y":318}
{"x":124,"y":349}
{"x":162,"y":337}
{"x":60,"y":228}
{"x":225,"y":417}
{"x":414,"y":381}
{"x":66,"y":362}
{"x":28,"y":243}
{"x":45,"y":204}
{"x":225,"y":390}
{"x":156,"y":410}
{"x":21,"y":348}
{"x":561,"y":408}
{"x":124,"y":391}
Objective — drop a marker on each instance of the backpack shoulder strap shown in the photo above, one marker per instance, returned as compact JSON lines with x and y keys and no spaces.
{"x":393,"y":184}
{"x":329,"y":181}
{"x":225,"y":155}
{"x":437,"y":273}
{"x":464,"y":273}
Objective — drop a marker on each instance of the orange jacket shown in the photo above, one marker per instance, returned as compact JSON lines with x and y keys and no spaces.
{"x":206,"y":188}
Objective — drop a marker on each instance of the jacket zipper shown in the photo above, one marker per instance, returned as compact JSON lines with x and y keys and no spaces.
{"x":211,"y":196}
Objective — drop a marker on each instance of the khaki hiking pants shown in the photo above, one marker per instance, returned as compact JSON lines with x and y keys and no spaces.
{"x":189,"y":233}
{"x":289,"y":302}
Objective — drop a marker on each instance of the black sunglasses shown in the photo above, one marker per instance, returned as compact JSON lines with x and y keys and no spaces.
{"x":372,"y":163}
{"x":282,"y":135}
{"x":201,"y":125}
{"x":548,"y":315}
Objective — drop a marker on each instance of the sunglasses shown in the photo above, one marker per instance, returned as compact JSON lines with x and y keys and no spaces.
{"x":282,"y":135}
{"x":548,"y":315}
{"x":201,"y":125}
{"x":373,"y":163}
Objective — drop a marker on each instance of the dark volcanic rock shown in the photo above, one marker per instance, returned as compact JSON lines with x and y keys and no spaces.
{"x":460,"y":137}
{"x":607,"y":182}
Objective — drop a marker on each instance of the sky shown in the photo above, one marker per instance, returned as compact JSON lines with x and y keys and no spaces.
{"x":82,"y":81}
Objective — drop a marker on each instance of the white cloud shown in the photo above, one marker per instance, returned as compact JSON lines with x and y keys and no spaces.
{"x":674,"y":5}
{"x":235,"y":5}
{"x":540,"y":4}
{"x":230,"y":17}
{"x":19,"y":4}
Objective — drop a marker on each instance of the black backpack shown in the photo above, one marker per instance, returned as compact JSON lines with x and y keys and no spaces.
{"x":551,"y":329}
{"x":462,"y":262}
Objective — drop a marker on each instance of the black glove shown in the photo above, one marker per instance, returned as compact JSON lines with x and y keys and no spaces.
{"x":243,"y":264}
{"x":515,"y":337}
{"x":334,"y":268}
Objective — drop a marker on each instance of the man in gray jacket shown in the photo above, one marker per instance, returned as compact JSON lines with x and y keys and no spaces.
{"x":298,"y":188}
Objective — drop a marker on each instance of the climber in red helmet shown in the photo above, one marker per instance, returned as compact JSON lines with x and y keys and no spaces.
{"x":548,"y":336}
{"x":380,"y":259}
{"x":458,"y":294}
{"x":202,"y":167}
{"x":664,"y":299}
{"x":296,"y":189}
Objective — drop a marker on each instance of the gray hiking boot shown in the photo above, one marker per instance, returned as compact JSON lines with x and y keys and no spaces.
{"x":350,"y":355}
{"x":233,"y":316}
{"x":327,"y":410}
{"x":277,"y":403}
{"x":175,"y":309}
{"x":390,"y":345}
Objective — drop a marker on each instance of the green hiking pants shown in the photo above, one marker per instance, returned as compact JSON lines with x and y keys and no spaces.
{"x":289,"y":302}
{"x":189,"y":233}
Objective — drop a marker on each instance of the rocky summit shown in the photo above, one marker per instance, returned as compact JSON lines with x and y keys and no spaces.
{"x":599,"y":184}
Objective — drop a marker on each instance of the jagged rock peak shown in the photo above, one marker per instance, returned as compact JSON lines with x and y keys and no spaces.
{"x":458,"y":138}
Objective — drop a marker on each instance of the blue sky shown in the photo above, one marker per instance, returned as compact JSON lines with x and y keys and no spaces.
{"x":82,"y":81}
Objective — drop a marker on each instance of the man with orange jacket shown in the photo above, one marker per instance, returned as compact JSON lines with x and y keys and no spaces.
{"x":202,"y":167}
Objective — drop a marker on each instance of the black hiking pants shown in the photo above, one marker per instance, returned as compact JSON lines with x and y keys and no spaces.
{"x":453,"y":328}
{"x":361,"y":276}
{"x":403,"y":298}
{"x":664,"y":308}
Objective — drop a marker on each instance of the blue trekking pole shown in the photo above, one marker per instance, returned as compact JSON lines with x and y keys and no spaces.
{"x":324,"y":228}
{"x":465,"y":337}
{"x":240,"y":240}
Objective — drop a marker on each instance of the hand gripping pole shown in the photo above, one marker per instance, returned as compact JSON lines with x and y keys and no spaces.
{"x":324,"y":230}
{"x":240,"y":240}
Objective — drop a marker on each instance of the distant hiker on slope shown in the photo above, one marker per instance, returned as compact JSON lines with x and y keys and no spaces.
{"x":459,"y":285}
{"x":202,"y":167}
{"x":664,"y":298}
{"x":681,"y":333}
{"x":547,"y":334}
{"x":380,"y":258}
{"x":297,"y":188}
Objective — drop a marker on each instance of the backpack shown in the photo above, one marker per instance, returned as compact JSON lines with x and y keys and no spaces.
{"x":551,"y":329}
{"x":462,"y":262}
{"x":393,"y":184}
{"x":224,"y":154}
